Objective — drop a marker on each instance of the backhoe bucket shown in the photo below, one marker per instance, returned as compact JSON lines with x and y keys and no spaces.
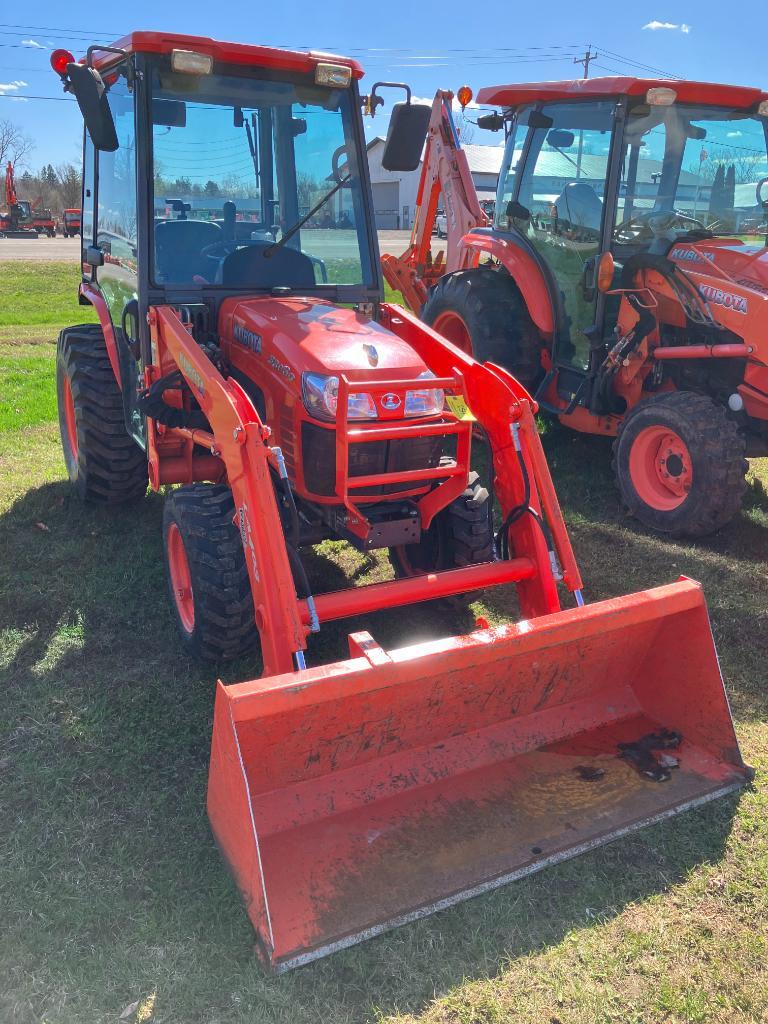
{"x":361,"y":795}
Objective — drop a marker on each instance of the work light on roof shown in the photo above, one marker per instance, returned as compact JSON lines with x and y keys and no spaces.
{"x":660,"y":96}
{"x":337,"y":76}
{"x":191,"y":63}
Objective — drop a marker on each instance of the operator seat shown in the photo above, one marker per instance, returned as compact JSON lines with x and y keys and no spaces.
{"x":178,"y":249}
{"x":285,"y":266}
{"x":581,"y":207}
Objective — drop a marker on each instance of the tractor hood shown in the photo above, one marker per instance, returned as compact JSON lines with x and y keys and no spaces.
{"x":745,"y":265}
{"x":314,"y":336}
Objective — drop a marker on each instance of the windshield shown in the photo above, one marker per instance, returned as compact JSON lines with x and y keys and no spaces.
{"x":701,"y":166}
{"x":238,"y":163}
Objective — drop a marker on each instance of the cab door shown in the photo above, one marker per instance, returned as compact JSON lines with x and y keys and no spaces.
{"x":116,"y":237}
{"x":561,"y":183}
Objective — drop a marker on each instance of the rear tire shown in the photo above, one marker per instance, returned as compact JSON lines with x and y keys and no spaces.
{"x":459,"y":535}
{"x":103,"y":461}
{"x":206,"y":573}
{"x":679,"y":464}
{"x":483,"y":313}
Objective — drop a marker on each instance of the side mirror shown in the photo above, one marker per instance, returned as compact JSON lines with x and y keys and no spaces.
{"x":406,"y":136}
{"x":558,"y":138}
{"x":90,"y":92}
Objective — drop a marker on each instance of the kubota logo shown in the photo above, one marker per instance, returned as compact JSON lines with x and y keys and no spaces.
{"x":727,"y":299}
{"x":390,"y":401}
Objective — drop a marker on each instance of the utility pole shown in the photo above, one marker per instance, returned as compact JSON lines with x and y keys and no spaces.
{"x":586,"y":60}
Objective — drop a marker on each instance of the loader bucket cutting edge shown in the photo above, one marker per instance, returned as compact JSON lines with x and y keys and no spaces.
{"x":361,"y":795}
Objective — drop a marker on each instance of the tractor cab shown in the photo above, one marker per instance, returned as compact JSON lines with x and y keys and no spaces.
{"x":222,"y":171}
{"x":624,"y":167}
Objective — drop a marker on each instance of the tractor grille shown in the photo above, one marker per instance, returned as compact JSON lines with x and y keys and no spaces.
{"x":319,"y":458}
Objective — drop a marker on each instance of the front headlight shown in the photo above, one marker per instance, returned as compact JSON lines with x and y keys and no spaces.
{"x":321,"y":399}
{"x":428,"y":402}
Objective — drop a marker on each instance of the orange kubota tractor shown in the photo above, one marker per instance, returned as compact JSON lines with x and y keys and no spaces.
{"x":245,"y":363}
{"x":624,"y":279}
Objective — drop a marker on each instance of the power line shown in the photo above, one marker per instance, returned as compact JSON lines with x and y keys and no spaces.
{"x":25,"y":96}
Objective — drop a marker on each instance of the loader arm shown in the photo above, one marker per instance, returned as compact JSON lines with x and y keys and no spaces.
{"x":239,"y":438}
{"x":444,"y":170}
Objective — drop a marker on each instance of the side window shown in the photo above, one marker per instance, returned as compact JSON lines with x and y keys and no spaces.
{"x":563,"y":185}
{"x":116,"y":215}
{"x":508,"y":174}
{"x":89,"y":196}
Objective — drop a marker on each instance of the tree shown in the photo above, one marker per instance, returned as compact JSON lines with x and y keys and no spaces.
{"x":211,"y":188}
{"x":14,"y":144}
{"x":717,"y":195}
{"x":729,"y":191}
{"x":69,"y":186}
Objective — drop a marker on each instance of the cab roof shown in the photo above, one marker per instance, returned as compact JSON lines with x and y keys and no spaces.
{"x":737,"y":96}
{"x":227,"y":53}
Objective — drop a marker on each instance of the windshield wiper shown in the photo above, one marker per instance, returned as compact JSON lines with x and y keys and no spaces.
{"x":288,"y":235}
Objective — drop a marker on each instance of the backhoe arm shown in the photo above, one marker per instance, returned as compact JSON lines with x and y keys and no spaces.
{"x":445,"y":170}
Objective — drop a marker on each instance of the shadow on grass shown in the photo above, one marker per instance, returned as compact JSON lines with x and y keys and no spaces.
{"x":111,"y":884}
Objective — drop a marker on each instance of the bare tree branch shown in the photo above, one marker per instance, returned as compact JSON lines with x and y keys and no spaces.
{"x":14,"y":144}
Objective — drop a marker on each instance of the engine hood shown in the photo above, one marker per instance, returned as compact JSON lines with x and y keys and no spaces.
{"x":746,"y":265}
{"x":314,"y":336}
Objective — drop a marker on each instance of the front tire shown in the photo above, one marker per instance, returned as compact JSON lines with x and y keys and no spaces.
{"x":459,"y":535}
{"x":679,"y":464}
{"x":483,"y":313}
{"x":103,"y":462}
{"x":206,"y":573}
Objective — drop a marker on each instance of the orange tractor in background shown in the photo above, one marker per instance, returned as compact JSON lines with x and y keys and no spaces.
{"x":250,"y":369}
{"x":624,"y":279}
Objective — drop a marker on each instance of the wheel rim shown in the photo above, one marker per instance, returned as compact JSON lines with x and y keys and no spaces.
{"x":454,"y":328}
{"x":181,"y":579}
{"x":70,"y":422}
{"x":661,"y":468}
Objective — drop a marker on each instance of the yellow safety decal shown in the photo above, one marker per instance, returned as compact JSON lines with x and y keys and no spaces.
{"x":459,"y":407}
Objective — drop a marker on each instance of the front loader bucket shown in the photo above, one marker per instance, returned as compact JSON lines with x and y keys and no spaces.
{"x":361,"y":795}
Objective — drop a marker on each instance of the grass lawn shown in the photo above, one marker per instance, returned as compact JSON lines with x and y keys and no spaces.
{"x":111,"y":889}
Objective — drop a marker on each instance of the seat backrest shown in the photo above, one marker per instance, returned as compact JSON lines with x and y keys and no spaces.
{"x":283,"y":266}
{"x":178,"y":249}
{"x":580,"y":205}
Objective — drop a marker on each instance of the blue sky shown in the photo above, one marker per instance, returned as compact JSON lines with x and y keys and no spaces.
{"x":425,"y":44}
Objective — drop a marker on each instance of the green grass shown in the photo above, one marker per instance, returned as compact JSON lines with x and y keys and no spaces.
{"x":37,"y":299}
{"x":111,"y":889}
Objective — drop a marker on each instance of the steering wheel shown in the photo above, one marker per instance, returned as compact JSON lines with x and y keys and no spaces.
{"x":653,"y":223}
{"x":340,"y":173}
{"x":220,"y":250}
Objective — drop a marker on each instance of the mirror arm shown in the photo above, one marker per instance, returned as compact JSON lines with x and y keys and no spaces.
{"x":373,"y":101}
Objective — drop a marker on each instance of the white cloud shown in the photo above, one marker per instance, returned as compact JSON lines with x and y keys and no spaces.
{"x":6,"y":88}
{"x":669,"y":26}
{"x":19,"y":99}
{"x":33,"y":43}
{"x":734,"y":135}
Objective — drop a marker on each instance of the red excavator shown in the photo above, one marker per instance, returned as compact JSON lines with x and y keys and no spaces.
{"x":621,"y":280}
{"x":16,"y":217}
